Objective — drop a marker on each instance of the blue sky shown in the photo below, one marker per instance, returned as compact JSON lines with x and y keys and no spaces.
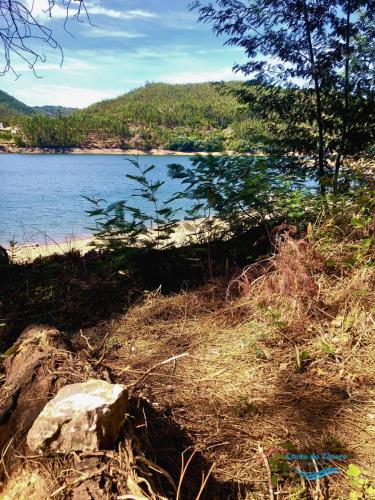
{"x":133,"y":41}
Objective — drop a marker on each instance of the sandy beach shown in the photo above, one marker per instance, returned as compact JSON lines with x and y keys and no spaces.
{"x":31,"y":251}
{"x":185,"y":232}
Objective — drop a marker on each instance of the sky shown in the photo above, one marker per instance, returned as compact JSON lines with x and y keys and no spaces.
{"x":128,"y":43}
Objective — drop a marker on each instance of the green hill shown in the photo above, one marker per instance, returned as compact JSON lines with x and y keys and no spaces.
{"x":14,"y":104}
{"x":11,"y":109}
{"x":166,"y":105}
{"x":185,"y":117}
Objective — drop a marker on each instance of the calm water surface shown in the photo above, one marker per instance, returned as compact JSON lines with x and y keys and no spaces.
{"x":40,"y":195}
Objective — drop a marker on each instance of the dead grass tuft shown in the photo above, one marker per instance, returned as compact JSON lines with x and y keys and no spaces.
{"x":290,"y":272}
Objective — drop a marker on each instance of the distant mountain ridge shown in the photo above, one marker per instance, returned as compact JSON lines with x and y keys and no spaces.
{"x":159,"y":104}
{"x":51,"y":110}
{"x":11,"y":109}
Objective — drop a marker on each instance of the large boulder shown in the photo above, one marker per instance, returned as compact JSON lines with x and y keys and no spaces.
{"x":81,"y":417}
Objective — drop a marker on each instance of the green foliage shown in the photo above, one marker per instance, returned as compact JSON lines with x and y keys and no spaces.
{"x":312,"y":63}
{"x":11,"y":107}
{"x":12,"y":110}
{"x":5,"y":136}
{"x":210,"y":142}
{"x":280,"y":469}
{"x":302,"y":359}
{"x":245,"y":191}
{"x":119,"y":224}
{"x":362,"y":488}
{"x":326,"y":347}
{"x":285,"y":118}
{"x":68,"y":131}
{"x":251,"y":134}
{"x":165,"y":105}
{"x":51,"y":110}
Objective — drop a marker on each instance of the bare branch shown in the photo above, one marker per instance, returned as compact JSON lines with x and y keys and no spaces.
{"x":22,"y":35}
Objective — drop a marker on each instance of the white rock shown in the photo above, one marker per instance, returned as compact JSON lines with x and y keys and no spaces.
{"x":81,"y":417}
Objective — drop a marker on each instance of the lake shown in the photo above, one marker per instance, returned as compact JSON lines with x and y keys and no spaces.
{"x":41,"y":195}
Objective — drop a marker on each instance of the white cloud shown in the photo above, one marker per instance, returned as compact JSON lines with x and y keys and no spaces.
{"x":178,"y":52}
{"x":204,"y":76}
{"x":94,"y":8}
{"x":102,"y":33}
{"x":40,"y":10}
{"x":141,"y":13}
{"x":69,"y":66}
{"x":63,"y":95}
{"x":76,"y":65}
{"x":163,"y":53}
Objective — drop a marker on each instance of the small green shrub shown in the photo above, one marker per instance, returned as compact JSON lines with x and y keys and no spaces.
{"x":119,"y":224}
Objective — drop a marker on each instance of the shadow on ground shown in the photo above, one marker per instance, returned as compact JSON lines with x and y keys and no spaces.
{"x":73,"y":291}
{"x":167,"y":443}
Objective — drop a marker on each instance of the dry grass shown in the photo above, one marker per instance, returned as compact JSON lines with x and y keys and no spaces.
{"x":289,"y":358}
{"x":283,"y":353}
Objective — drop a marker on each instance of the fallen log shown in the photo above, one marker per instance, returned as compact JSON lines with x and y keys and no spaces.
{"x":38,"y":367}
{"x":29,"y":380}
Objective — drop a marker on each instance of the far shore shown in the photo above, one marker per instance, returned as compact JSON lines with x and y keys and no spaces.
{"x":105,"y":151}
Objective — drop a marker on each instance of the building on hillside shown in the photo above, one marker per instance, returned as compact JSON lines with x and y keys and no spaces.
{"x":14,"y":130}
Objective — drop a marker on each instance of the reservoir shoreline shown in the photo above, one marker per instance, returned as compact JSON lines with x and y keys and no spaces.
{"x":106,"y":151}
{"x":185,"y":231}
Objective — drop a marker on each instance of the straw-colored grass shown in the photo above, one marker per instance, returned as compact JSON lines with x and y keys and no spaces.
{"x":285,"y":353}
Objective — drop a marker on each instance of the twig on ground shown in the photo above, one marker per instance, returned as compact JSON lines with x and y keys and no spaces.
{"x":103,"y":342}
{"x":269,"y":475}
{"x":3,"y":453}
{"x":183,"y":472}
{"x":78,"y":481}
{"x":204,"y":482}
{"x":318,"y":491}
{"x":87,"y":340}
{"x":147,"y":373}
{"x":156,"y":468}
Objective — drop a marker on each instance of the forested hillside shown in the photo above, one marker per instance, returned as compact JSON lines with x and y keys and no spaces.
{"x":185,"y":117}
{"x":166,"y":105}
{"x":11,"y":109}
{"x":202,"y":117}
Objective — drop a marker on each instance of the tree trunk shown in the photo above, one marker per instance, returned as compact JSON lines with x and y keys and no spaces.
{"x":321,"y":159}
{"x":341,"y":151}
